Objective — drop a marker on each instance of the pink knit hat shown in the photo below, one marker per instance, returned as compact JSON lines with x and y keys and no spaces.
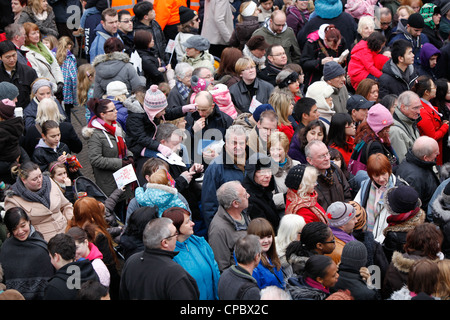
{"x":379,"y":117}
{"x":154,"y":101}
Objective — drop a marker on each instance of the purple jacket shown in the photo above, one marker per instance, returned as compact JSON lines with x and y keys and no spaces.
{"x":295,"y":150}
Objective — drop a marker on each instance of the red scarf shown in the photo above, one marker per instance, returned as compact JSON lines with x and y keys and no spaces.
{"x":393,"y":220}
{"x":111,"y":129}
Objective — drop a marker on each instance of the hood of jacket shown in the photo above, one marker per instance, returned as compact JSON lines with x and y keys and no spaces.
{"x":133,"y":105}
{"x":94,"y":252}
{"x":108,"y":65}
{"x":391,"y":69}
{"x":404,"y":261}
{"x":428,"y":50}
{"x":266,"y":26}
{"x":256,"y":162}
{"x":441,"y":209}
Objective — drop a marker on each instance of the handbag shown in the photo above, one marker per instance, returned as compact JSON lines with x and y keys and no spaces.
{"x":355,"y":165}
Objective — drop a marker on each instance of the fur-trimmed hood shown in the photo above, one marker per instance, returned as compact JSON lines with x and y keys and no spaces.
{"x":441,"y":209}
{"x":407,"y":225}
{"x":404,"y":261}
{"x":121,"y":56}
{"x":133,"y":105}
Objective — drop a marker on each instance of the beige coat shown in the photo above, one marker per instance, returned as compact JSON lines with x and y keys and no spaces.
{"x":51,"y":221}
{"x":218,"y":21}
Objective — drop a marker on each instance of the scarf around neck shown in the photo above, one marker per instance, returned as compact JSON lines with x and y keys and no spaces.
{"x":40,"y":196}
{"x":298,"y":202}
{"x":42,"y":50}
{"x":114,"y":130}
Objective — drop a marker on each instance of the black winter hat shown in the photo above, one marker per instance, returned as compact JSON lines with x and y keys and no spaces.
{"x":402,"y":199}
{"x":186,"y":14}
{"x":295,"y":176}
{"x":416,"y":21}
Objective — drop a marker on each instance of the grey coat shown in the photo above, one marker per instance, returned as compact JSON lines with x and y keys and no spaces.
{"x":115,"y":66}
{"x":104,"y":158}
{"x":46,"y":27}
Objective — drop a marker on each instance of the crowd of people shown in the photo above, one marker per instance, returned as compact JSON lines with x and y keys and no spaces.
{"x":284,"y":150}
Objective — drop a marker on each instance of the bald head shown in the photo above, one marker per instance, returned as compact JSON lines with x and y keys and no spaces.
{"x":425,"y":148}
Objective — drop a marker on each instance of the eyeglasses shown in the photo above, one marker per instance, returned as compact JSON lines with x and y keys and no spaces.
{"x":108,"y":111}
{"x":126,"y":21}
{"x":174,"y":235}
{"x":332,"y":241}
{"x":386,"y":23}
{"x":324,"y":156}
{"x":279,"y":54}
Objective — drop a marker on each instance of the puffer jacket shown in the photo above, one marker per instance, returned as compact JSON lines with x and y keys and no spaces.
{"x":114,"y":66}
{"x":158,"y":195}
{"x":440,"y":209}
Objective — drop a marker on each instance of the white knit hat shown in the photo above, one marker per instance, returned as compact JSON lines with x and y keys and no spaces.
{"x":116,"y":88}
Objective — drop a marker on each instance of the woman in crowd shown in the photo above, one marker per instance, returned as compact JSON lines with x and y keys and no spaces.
{"x":372,"y":194}
{"x":47,"y":109}
{"x":116,"y":91}
{"x":431,"y":123}
{"x":107,"y":148}
{"x":189,"y":26}
{"x":372,"y":137}
{"x":322,"y":93}
{"x":40,"y":13}
{"x":290,"y":229}
{"x":403,"y":206}
{"x":442,"y":103}
{"x":247,"y":23}
{"x":326,"y":45}
{"x":114,"y":65}
{"x":85,"y":87}
{"x":283,"y":104}
{"x":249,"y":86}
{"x":24,"y":256}
{"x":226,"y":73}
{"x":89,"y":213}
{"x":268,"y":272}
{"x":255,"y":49}
{"x":41,"y":58}
{"x":278,"y":145}
{"x":194,"y":253}
{"x":369,"y":89}
{"x":17,"y":7}
{"x":301,"y":198}
{"x":41,"y":198}
{"x":422,"y":242}
{"x":315,"y":130}
{"x":341,"y":135}
{"x":321,"y":274}
{"x":259,"y":183}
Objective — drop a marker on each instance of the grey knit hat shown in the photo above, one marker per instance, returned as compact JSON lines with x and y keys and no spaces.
{"x":354,"y":255}
{"x":332,"y":70}
{"x":8,"y":91}
{"x":339,"y":213}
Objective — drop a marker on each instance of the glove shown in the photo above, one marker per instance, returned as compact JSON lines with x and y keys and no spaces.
{"x":166,"y":151}
{"x":189,"y":107}
{"x":59,"y":91}
{"x":127,"y":161}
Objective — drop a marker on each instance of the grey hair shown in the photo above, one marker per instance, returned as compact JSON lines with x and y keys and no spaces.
{"x":405,"y":98}
{"x":182,"y":68}
{"x":165,"y":131}
{"x":274,"y":293}
{"x":227,"y":193}
{"x":310,"y":145}
{"x":155,"y":231}
{"x":235,"y":129}
{"x":246,"y":248}
{"x":13,"y":30}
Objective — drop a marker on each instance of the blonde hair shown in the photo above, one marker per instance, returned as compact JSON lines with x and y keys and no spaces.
{"x":443,"y":283}
{"x":406,"y":7}
{"x":243,"y":63}
{"x":47,"y":109}
{"x":308,"y":181}
{"x":84,"y":82}
{"x":243,"y":6}
{"x":61,"y":53}
{"x":53,"y":41}
{"x":36,"y":6}
{"x":279,"y":137}
{"x":281,"y":102}
{"x":159,"y":177}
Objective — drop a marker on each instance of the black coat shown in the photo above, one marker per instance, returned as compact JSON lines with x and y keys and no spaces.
{"x":44,"y":155}
{"x":22,"y":78}
{"x":393,"y":82}
{"x":158,"y":37}
{"x":58,"y":289}
{"x":153,"y":275}
{"x":150,"y":65}
{"x":351,"y":280}
{"x":242,"y":98}
{"x":420,"y":175}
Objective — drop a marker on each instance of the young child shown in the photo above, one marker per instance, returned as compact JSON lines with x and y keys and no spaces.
{"x":50,"y":41}
{"x":266,"y":8}
{"x":68,"y":64}
{"x":85,"y":87}
{"x":59,"y":174}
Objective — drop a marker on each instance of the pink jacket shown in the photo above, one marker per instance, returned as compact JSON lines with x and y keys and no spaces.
{"x":364,"y":62}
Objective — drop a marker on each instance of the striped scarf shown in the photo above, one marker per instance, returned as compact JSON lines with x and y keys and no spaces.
{"x":375,"y":202}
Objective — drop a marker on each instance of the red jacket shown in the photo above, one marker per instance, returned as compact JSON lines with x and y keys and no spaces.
{"x":288,"y":130}
{"x":363,"y":62}
{"x":347,"y":153}
{"x":431,"y":125}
